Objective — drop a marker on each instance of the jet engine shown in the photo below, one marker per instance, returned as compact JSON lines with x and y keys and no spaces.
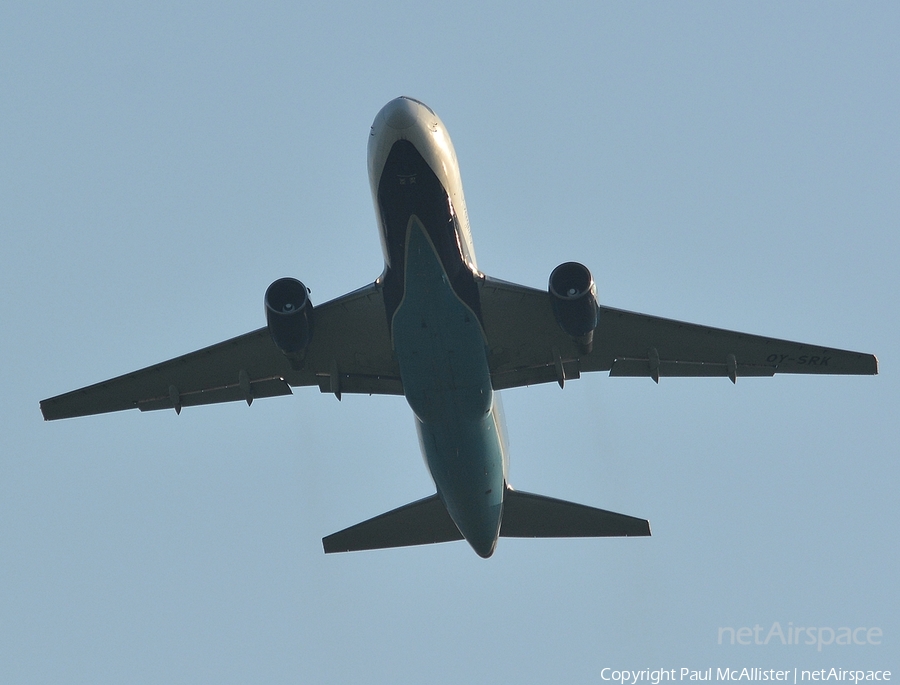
{"x":573,"y":297}
{"x":289,"y":316}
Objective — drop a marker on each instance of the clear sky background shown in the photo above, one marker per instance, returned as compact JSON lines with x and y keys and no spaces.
{"x":162,"y":163}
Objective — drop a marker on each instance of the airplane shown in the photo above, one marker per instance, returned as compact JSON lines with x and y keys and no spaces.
{"x":435,"y":329}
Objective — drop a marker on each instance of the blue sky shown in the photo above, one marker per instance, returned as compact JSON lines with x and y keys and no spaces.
{"x":159,"y":166}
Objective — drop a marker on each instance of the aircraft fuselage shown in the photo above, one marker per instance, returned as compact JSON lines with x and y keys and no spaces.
{"x":434,"y":315}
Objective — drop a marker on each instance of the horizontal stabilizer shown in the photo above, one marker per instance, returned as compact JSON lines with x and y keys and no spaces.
{"x":534,"y":516}
{"x":420,"y":523}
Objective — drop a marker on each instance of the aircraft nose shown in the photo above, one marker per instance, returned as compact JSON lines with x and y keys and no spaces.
{"x":401,"y":113}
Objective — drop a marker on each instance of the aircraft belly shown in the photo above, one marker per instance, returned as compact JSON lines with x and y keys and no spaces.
{"x":441,"y":352}
{"x":466,"y":462}
{"x":438,"y":340}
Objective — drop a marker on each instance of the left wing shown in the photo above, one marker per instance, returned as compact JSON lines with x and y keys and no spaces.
{"x":350,"y":351}
{"x":526,"y":346}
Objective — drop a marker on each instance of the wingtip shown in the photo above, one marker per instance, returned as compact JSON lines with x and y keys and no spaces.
{"x":44,"y":408}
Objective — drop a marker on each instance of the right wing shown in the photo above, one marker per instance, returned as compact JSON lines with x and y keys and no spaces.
{"x":527,"y":346}
{"x":350,"y":351}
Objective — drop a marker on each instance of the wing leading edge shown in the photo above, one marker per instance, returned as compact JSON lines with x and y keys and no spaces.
{"x":526,"y":345}
{"x":350,"y":351}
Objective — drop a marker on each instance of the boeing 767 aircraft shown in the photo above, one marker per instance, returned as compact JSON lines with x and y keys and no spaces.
{"x":437,"y":330}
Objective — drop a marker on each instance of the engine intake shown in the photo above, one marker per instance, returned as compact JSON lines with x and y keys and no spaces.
{"x":573,"y":297}
{"x":289,"y":316}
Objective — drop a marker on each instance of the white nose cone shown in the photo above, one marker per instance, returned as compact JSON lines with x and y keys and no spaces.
{"x":401,"y":113}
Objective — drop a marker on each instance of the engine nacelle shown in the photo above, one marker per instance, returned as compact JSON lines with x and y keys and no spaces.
{"x":289,"y":316}
{"x":573,"y":296}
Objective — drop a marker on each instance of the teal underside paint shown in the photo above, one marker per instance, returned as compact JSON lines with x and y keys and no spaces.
{"x":443,"y":363}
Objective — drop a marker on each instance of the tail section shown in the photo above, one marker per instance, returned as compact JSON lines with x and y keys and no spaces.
{"x":525,"y":515}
